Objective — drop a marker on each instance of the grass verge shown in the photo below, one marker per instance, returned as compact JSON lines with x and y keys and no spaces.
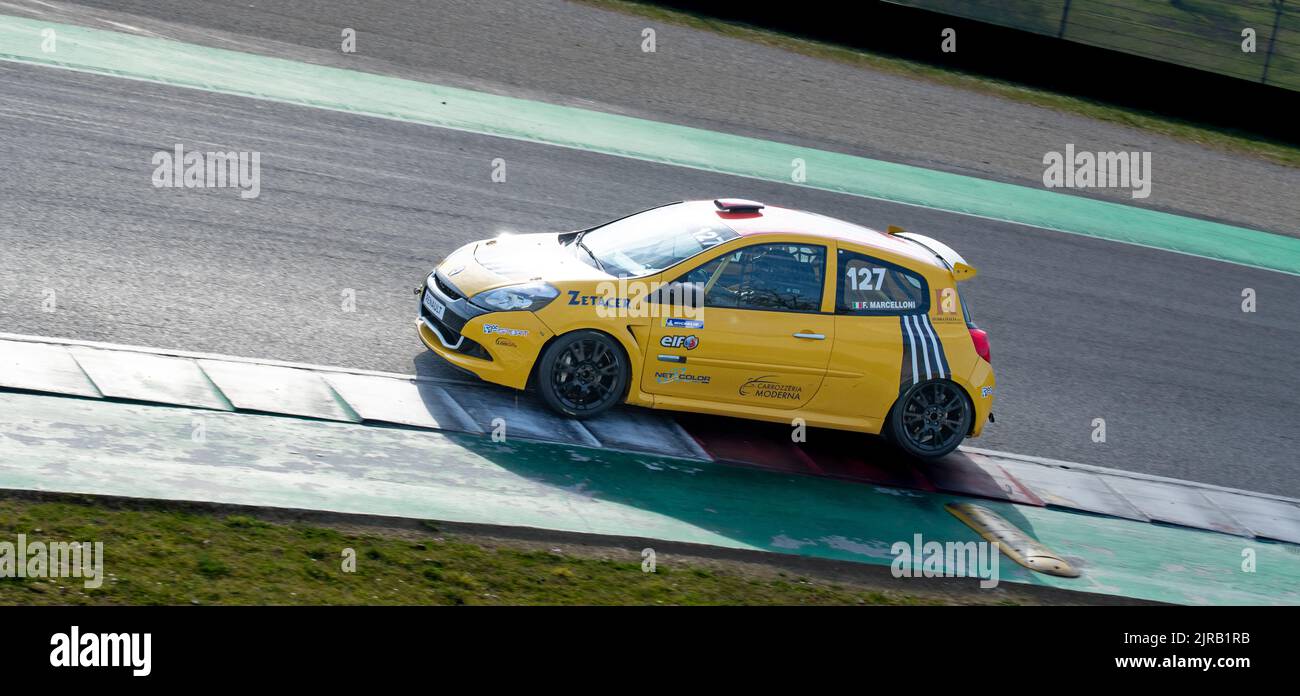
{"x":1224,"y":139}
{"x":157,"y":555}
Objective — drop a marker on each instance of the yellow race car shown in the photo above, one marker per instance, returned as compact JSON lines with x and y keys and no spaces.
{"x":727,"y":307}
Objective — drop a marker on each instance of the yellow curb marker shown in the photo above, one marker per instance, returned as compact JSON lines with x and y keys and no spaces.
{"x":1014,"y":543}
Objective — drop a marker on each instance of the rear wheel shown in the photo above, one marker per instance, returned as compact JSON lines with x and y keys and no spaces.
{"x":931,"y":419}
{"x":583,"y":374}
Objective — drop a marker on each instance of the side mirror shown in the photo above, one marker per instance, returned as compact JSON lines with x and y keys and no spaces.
{"x":680,"y":294}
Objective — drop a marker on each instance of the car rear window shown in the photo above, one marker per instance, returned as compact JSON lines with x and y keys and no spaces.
{"x":869,"y":286}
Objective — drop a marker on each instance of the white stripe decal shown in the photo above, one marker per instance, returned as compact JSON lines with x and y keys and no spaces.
{"x":938,"y":359}
{"x":911,"y":342}
{"x":925,"y":349}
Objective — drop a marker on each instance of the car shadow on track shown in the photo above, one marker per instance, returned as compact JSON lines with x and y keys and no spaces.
{"x":763,"y":489}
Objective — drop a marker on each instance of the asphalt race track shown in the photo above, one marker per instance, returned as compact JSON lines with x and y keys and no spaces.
{"x":1153,"y":342}
{"x":577,"y":53}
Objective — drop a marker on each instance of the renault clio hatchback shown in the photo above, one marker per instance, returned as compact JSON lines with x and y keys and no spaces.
{"x":726,"y":307}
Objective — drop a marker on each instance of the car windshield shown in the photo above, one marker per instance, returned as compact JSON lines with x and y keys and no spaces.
{"x":651,"y":241}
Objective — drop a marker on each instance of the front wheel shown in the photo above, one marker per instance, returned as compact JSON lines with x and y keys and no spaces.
{"x":931,"y":419}
{"x":582,"y":374}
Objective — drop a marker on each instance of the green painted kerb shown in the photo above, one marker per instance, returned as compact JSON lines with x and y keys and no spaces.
{"x":89,"y":446}
{"x":170,"y":62}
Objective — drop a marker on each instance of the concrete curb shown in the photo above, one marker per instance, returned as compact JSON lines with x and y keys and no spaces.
{"x":113,"y":372}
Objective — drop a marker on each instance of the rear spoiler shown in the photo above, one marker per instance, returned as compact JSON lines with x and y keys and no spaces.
{"x":950,"y":258}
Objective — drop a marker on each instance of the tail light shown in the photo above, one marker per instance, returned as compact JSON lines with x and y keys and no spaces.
{"x":981,"y":341}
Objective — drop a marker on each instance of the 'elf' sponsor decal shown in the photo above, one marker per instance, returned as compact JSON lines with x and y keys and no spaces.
{"x":687,"y":342}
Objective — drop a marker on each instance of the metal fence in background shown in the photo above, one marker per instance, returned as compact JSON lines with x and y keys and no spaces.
{"x":1202,"y":34}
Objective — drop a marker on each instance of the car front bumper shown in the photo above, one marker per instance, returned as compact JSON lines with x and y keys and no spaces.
{"x":498,"y":347}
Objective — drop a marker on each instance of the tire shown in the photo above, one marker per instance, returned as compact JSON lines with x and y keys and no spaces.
{"x":583,"y":374}
{"x":931,"y":419}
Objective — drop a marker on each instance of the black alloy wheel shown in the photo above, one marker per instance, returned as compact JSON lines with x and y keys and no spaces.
{"x":583,"y":374}
{"x":931,"y":419}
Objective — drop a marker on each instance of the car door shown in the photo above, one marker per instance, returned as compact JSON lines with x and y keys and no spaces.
{"x":759,"y":335}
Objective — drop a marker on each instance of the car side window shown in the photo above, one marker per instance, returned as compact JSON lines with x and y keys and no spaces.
{"x":782,"y":277}
{"x":869,"y":286}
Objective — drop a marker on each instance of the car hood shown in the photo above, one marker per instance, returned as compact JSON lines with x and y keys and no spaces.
{"x":514,"y":259}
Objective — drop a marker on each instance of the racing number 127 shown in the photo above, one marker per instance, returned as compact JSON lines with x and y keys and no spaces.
{"x":860,"y":278}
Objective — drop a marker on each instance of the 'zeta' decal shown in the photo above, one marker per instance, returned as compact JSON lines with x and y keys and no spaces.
{"x":923,"y":354}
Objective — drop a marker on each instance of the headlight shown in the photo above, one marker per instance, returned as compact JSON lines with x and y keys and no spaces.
{"x":526,"y":297}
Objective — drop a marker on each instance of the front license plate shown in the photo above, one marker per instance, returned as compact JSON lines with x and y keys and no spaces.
{"x":433,"y":305}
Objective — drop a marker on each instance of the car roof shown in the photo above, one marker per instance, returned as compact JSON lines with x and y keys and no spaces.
{"x":777,"y":220}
